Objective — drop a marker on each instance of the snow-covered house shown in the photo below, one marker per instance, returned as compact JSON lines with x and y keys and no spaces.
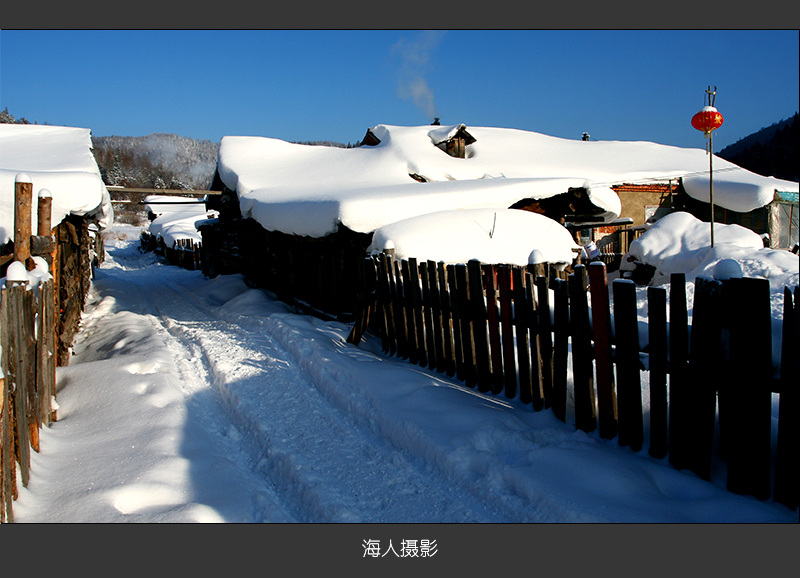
{"x":288,"y":206}
{"x":57,"y":160}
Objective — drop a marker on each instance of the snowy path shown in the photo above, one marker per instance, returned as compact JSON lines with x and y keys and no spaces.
{"x":196,"y":400}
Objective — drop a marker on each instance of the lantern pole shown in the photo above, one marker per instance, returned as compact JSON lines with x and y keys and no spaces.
{"x":711,"y":180}
{"x":711,"y":101}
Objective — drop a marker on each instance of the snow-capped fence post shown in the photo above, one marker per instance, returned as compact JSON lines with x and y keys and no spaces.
{"x":629,"y":388}
{"x":582,"y":371}
{"x":19,"y":368}
{"x":787,"y":478}
{"x":604,"y":367}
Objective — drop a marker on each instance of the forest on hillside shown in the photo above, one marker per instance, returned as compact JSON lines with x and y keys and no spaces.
{"x":771,"y":151}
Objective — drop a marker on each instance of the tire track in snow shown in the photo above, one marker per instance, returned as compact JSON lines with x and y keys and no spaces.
{"x":325,"y":466}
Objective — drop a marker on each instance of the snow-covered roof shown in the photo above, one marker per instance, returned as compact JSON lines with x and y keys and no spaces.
{"x":57,"y":159}
{"x":310,"y":190}
{"x":176,"y":217}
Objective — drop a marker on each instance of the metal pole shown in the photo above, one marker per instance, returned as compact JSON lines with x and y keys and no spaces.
{"x":711,"y":180}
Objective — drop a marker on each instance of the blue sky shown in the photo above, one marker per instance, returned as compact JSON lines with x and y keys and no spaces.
{"x":334,"y":84}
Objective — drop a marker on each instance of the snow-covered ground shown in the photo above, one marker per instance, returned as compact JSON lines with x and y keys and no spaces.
{"x":197,"y":400}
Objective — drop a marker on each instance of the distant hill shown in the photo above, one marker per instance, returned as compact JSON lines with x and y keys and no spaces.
{"x":771,"y":151}
{"x":158,"y":161}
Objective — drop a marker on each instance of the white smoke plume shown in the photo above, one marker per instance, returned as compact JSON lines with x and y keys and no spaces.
{"x":415,"y":55}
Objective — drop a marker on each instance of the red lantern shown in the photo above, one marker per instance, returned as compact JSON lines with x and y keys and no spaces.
{"x":707,"y":119}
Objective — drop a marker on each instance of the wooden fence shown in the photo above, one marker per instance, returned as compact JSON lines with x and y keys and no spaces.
{"x":185,"y":253}
{"x":28,"y":340}
{"x":515,"y":331}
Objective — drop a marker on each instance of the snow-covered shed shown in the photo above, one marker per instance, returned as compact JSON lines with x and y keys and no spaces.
{"x":58,"y":161}
{"x":280,"y":193}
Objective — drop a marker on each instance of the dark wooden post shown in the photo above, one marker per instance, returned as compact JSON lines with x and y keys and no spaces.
{"x":436,"y":317}
{"x":545,"y":336}
{"x":787,"y":476}
{"x":521,"y":313}
{"x":680,"y":398}
{"x":479,"y":315}
{"x":457,"y":320}
{"x":507,"y":330}
{"x":534,"y":329}
{"x":465,"y":323}
{"x":416,"y":309}
{"x":657,"y":334}
{"x":582,"y":373}
{"x":447,"y":321}
{"x":748,"y":398}
{"x":560,"y":347}
{"x":493,"y":321}
{"x":629,"y":388}
{"x":604,"y":366}
{"x":705,"y":368}
{"x":428,"y":315}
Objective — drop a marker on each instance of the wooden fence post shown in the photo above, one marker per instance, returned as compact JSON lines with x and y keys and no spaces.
{"x":680,"y":398}
{"x":457,"y":321}
{"x":23,"y":193}
{"x":629,"y":388}
{"x":428,"y":316}
{"x":416,"y":306}
{"x":657,"y":333}
{"x":787,"y":477}
{"x":447,"y":320}
{"x":582,"y":370}
{"x":436,"y":316}
{"x":561,"y":323}
{"x":604,"y":366}
{"x":8,"y":473}
{"x":748,"y":400}
{"x":545,"y":337}
{"x":522,"y":312}
{"x":535,"y":342}
{"x":705,"y":366}
{"x":493,"y":320}
{"x":507,"y":331}
{"x":480,"y":336}
{"x":462,"y":296}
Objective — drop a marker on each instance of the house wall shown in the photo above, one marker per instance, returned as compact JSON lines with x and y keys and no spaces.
{"x":641,"y":202}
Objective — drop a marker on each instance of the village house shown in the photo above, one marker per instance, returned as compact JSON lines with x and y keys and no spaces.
{"x":62,"y":175}
{"x":298,"y":219}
